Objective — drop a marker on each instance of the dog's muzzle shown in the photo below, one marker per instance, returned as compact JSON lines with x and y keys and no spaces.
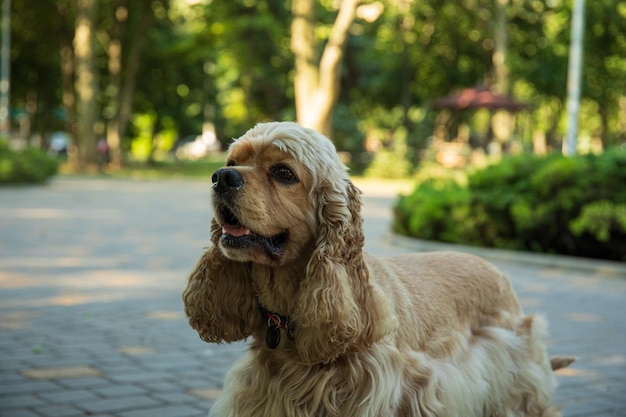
{"x":235,"y":234}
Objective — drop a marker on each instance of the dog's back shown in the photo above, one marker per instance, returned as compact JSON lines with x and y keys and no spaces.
{"x":461,"y":316}
{"x":443,"y":296}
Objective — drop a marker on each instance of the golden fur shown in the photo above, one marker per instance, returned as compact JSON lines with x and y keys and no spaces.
{"x":439,"y":334}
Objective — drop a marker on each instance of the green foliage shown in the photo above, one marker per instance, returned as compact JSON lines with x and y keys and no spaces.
{"x":388,"y":164}
{"x":551,"y":204}
{"x":434,"y":211}
{"x":26,"y":166}
{"x":600,"y":219}
{"x":202,"y":169}
{"x":231,"y":63}
{"x":391,"y":162}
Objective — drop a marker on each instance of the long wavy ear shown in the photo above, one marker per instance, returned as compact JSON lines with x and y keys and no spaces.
{"x":339,"y":308}
{"x":219,"y":300}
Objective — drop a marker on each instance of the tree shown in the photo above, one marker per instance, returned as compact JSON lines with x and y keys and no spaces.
{"x":5,"y":76}
{"x":132,"y":21}
{"x":86,"y":86}
{"x":169,"y":66}
{"x":604,"y":80}
{"x":66,"y":63}
{"x":35,"y":68}
{"x":317,"y":85}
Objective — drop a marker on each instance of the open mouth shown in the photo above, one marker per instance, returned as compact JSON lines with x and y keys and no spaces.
{"x":237,"y":235}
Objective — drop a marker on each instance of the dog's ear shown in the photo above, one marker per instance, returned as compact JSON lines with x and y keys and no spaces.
{"x":339,"y":308}
{"x":218,"y":299}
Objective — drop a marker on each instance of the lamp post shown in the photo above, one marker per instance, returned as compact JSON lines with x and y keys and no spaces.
{"x":574,"y":75}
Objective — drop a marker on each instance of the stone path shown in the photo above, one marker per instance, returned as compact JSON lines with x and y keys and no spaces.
{"x":91,"y":320}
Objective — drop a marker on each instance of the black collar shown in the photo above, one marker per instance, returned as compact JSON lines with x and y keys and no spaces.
{"x":275,"y":322}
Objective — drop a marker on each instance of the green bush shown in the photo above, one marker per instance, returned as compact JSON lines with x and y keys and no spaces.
{"x":553,"y":204}
{"x":27,"y":166}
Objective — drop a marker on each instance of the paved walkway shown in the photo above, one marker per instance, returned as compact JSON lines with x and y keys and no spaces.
{"x":91,"y":320}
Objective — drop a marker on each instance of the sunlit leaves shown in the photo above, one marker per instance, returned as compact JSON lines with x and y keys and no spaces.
{"x":231,"y":61}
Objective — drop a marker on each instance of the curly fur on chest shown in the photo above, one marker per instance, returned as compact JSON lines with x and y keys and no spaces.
{"x":385,"y":381}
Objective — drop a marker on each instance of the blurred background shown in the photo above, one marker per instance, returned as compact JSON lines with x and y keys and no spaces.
{"x":158,"y":78}
{"x":402,"y":87}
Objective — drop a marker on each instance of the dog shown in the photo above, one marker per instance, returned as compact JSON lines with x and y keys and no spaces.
{"x":335,"y":331}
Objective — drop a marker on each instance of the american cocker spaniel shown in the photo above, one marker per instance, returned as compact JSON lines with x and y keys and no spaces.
{"x":335,"y":331}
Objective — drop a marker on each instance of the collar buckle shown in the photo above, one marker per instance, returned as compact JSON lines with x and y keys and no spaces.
{"x":275,"y":322}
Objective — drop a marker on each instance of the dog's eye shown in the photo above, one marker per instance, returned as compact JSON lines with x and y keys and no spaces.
{"x":231,"y":163}
{"x":284,"y":174}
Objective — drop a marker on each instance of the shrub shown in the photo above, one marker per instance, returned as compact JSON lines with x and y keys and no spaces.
{"x":602,"y":221}
{"x":426,"y":213}
{"x":551,"y":204}
{"x":27,"y":166}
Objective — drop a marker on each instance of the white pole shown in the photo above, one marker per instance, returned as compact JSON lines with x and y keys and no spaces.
{"x":5,"y":69}
{"x":574,"y":75}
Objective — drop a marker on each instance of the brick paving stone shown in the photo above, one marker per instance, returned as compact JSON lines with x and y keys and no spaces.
{"x":117,"y":405}
{"x":85,"y":383}
{"x":174,"y":363}
{"x":120,"y":391}
{"x":68,"y":360}
{"x":101,"y":287}
{"x":166,"y":411}
{"x":212,"y":380}
{"x":137,"y":377}
{"x":618,"y":394}
{"x":208,"y":394}
{"x":175,"y":397}
{"x":18,"y":413}
{"x":108,"y":361}
{"x":66,"y":372}
{"x":11,"y":360}
{"x":136,"y":350}
{"x":11,"y":378}
{"x":59,"y":411}
{"x":67,"y":396}
{"x":118,"y":369}
{"x":28,"y":386}
{"x":596,"y":407}
{"x":161,"y":386}
{"x":22,"y":400}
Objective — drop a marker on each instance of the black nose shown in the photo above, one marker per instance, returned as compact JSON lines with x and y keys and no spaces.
{"x":226,"y":179}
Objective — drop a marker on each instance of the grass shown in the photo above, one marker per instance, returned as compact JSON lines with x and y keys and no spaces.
{"x":201,"y":169}
{"x":164,"y":170}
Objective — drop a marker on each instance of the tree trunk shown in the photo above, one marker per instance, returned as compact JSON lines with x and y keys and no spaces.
{"x":114,"y":52}
{"x":621,"y":117}
{"x":131,"y":69}
{"x":501,"y":121}
{"x":124,"y":77}
{"x":303,"y":45}
{"x":498,"y":59}
{"x":406,"y":24}
{"x":5,"y":71}
{"x":316,"y":86}
{"x":86,"y":86}
{"x":67,"y":75}
{"x":605,"y":133}
{"x":67,"y":84}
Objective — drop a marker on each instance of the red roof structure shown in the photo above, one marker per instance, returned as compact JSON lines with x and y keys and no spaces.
{"x":478,"y":98}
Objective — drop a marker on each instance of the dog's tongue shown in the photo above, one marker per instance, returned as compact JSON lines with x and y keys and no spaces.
{"x":236,"y":231}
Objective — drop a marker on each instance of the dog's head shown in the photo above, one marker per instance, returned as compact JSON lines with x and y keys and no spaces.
{"x":284,"y":199}
{"x":267,"y":200}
